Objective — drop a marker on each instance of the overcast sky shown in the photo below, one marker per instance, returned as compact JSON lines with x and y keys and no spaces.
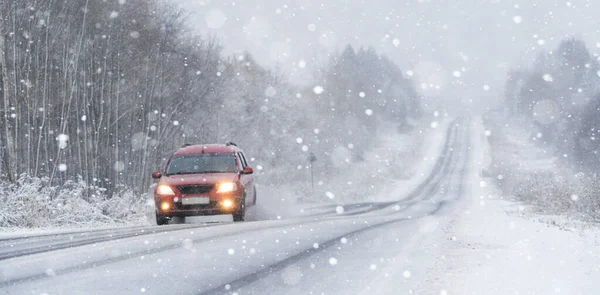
{"x":462,"y":47}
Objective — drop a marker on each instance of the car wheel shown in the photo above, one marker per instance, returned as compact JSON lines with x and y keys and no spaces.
{"x":240,"y":214}
{"x":161,"y":220}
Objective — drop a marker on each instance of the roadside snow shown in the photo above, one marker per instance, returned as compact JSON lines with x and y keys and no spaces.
{"x":393,"y":168}
{"x":422,"y":164}
{"x":530,"y":171}
{"x":34,"y":203}
{"x":492,"y":248}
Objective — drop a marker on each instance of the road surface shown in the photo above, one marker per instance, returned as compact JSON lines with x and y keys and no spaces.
{"x":370,"y":248}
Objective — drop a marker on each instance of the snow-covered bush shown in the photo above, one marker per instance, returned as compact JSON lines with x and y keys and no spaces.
{"x":533,"y":174}
{"x":32,"y":202}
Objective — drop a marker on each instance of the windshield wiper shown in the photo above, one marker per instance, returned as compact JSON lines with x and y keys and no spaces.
{"x":181,"y":173}
{"x":198,"y":172}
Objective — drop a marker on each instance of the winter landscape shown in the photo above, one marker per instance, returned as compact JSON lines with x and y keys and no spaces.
{"x":412,"y":147}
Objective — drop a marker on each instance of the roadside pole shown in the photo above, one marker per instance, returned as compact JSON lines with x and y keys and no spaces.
{"x":312,"y":158}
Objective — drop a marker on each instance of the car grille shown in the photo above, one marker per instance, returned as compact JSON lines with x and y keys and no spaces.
{"x":211,"y":205}
{"x":195,"y":189}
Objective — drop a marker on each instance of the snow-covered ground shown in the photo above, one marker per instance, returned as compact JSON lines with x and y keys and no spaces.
{"x":531,"y":171}
{"x":455,"y":234}
{"x":493,"y":246}
{"x":393,"y":168}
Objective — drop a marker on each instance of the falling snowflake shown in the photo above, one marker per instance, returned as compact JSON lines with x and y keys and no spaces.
{"x":119,"y":166}
{"x":271,"y":91}
{"x":62,"y":140}
{"x":187,"y":244}
{"x":406,"y":274}
{"x":517,"y":19}
{"x":333,"y":261}
{"x":291,"y":275}
{"x":318,"y":89}
{"x":369,"y":112}
{"x":215,"y":19}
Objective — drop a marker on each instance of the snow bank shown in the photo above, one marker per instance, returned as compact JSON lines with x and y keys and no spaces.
{"x":534,"y":174}
{"x":33,"y":203}
{"x":491,"y":247}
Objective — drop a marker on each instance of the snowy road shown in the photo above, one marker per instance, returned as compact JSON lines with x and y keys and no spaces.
{"x":369,"y":248}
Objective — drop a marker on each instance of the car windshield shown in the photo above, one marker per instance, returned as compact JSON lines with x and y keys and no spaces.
{"x":202,"y":163}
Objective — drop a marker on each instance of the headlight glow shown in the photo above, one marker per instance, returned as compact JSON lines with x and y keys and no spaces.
{"x":165,"y":206}
{"x":227,"y":187}
{"x":227,"y":204}
{"x":164,"y":190}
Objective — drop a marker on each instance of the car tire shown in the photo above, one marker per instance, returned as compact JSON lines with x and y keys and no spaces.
{"x":240,"y":214}
{"x":161,"y":220}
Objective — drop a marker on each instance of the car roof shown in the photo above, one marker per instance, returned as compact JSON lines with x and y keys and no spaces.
{"x":207,"y":148}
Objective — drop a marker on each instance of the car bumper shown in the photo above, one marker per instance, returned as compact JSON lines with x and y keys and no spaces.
{"x":215,"y":207}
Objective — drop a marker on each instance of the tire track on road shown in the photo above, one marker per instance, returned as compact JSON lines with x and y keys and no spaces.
{"x":456,"y":161}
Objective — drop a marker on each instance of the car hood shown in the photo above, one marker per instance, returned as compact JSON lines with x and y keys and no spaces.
{"x":204,"y":178}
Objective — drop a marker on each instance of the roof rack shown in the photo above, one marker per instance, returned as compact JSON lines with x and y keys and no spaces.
{"x":230,"y":143}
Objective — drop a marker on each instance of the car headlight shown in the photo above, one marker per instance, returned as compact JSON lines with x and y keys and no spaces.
{"x":227,"y":203}
{"x":227,"y":187}
{"x":164,"y":190}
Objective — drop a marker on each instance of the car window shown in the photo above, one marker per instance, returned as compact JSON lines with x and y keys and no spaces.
{"x":202,"y":163}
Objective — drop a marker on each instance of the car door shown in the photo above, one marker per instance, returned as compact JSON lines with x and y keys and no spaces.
{"x":246,"y":180}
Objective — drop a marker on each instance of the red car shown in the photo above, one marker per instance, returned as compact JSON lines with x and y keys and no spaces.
{"x":205,"y":179}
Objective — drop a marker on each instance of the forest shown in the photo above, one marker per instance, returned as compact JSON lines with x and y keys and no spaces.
{"x":560,"y":94}
{"x":101,"y":92}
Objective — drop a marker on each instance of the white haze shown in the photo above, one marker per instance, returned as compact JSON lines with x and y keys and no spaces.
{"x":462,"y":46}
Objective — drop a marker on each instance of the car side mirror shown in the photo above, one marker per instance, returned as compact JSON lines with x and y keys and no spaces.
{"x":247,"y":170}
{"x":156,"y":175}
